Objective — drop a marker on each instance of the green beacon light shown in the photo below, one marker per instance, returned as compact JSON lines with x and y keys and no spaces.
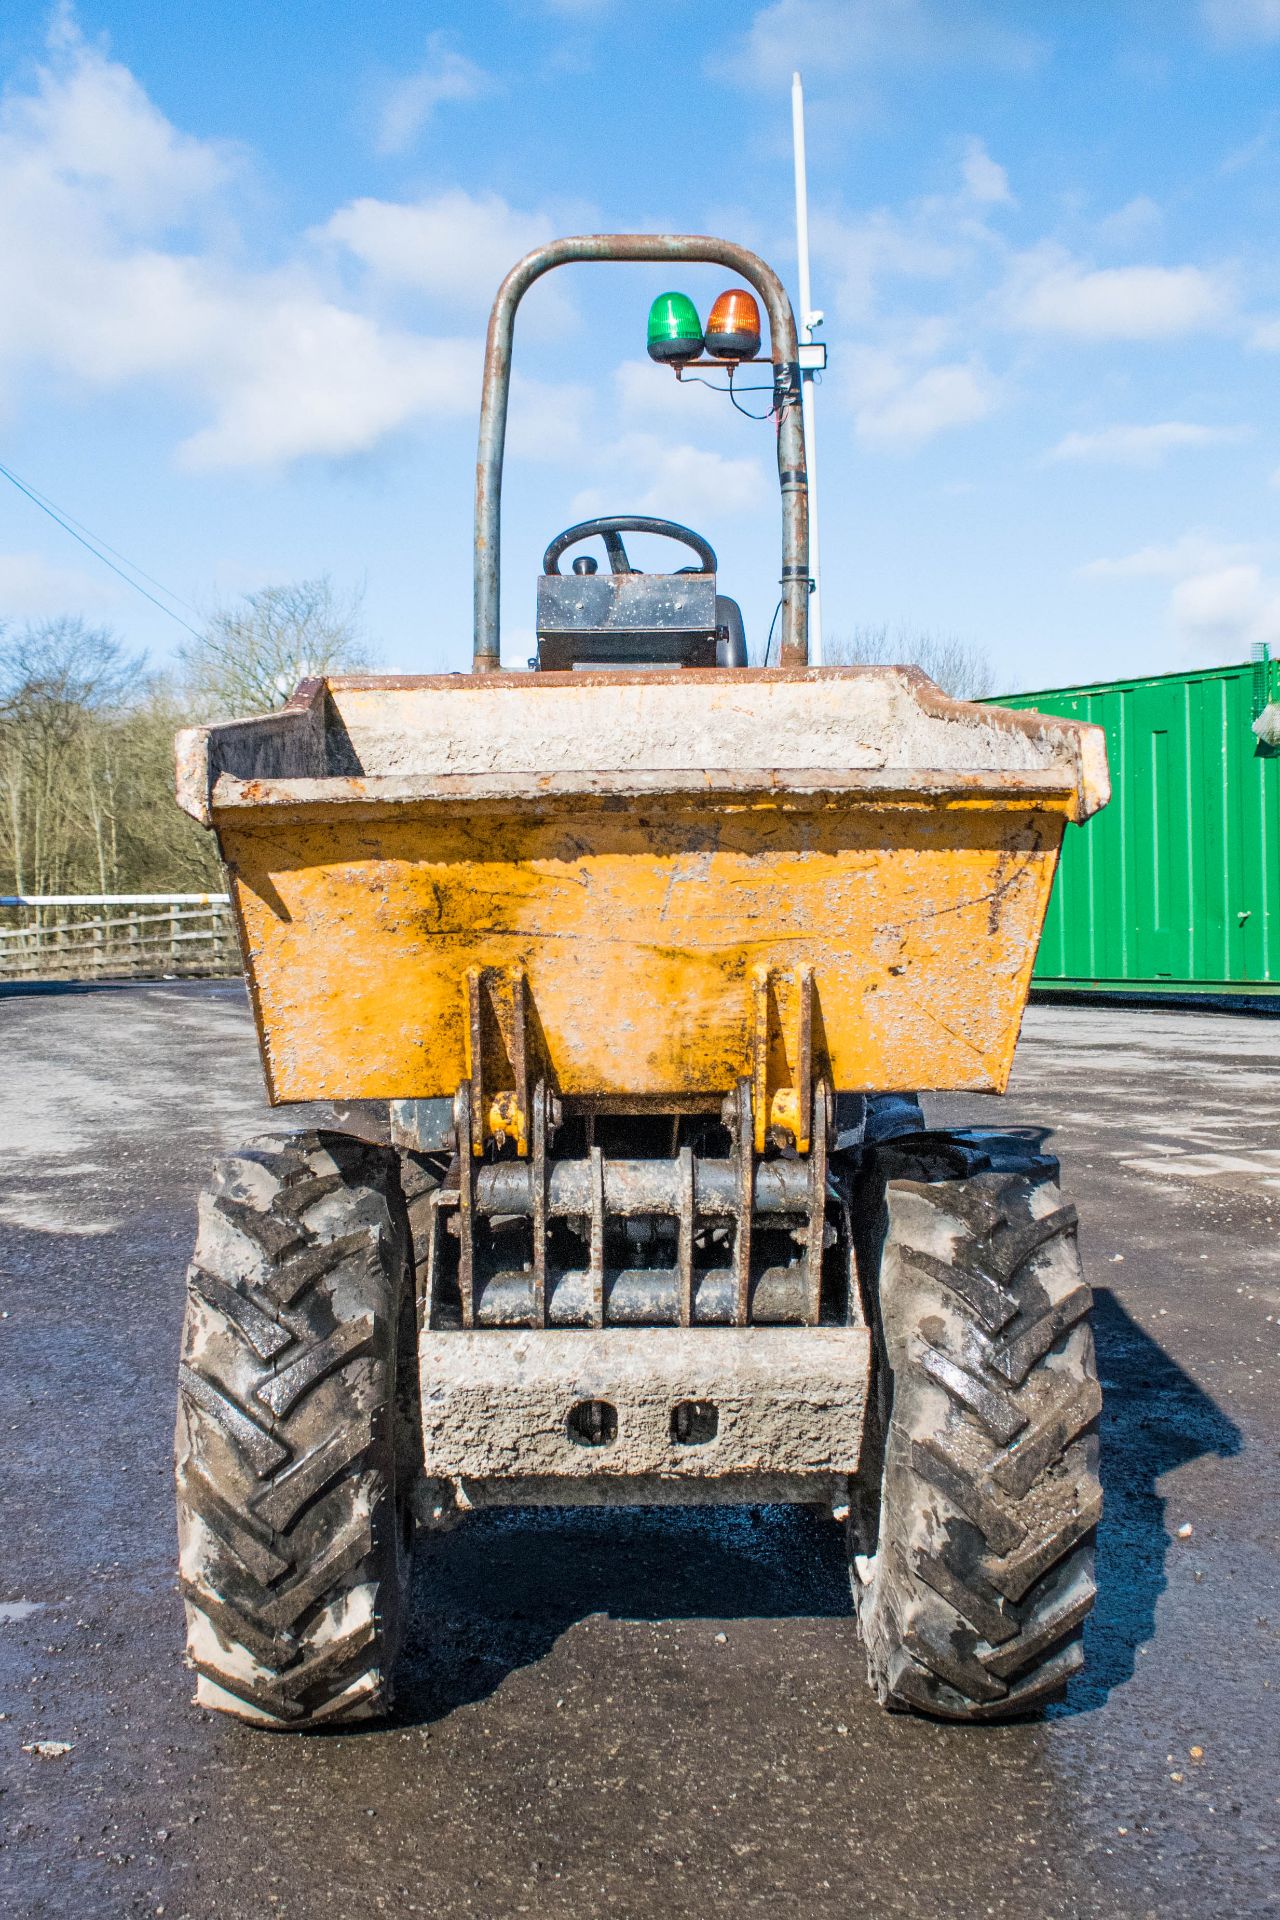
{"x":675,"y":331}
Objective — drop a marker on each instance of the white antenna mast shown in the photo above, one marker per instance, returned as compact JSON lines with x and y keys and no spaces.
{"x":813,"y":357}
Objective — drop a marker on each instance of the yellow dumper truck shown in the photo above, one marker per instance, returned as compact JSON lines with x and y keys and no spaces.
{"x":619,"y":978}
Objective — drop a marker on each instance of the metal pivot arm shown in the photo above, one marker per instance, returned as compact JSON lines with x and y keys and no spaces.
{"x":652,"y":247}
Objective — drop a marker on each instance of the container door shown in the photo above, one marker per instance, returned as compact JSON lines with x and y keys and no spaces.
{"x":1159,"y":790}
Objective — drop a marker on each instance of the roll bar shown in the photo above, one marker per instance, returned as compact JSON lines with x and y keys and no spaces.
{"x":792,"y":475}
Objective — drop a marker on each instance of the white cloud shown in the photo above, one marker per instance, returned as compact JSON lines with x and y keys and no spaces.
{"x":1136,"y":220}
{"x":649,"y":470}
{"x":1250,"y":152}
{"x":908,"y":382}
{"x":443,"y":78}
{"x":313,"y":378}
{"x":1242,"y":22}
{"x":31,"y":586}
{"x":828,"y":35}
{"x":121,"y":267}
{"x":896,"y":405}
{"x":1222,"y":600}
{"x":861,"y":254}
{"x":937,"y":238}
{"x":454,"y":244}
{"x":1190,"y":553}
{"x":1219,"y":602}
{"x":650,"y":474}
{"x":1223,"y":613}
{"x":1266,"y":336}
{"x":689,"y":482}
{"x":1052,"y":293}
{"x":1145,"y":446}
{"x":548,"y":420}
{"x":649,"y":394}
{"x":835,"y":37}
{"x":89,"y":131}
{"x":985,"y":178}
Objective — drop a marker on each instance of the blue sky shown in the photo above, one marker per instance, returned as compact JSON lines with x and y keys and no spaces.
{"x":247,"y":254}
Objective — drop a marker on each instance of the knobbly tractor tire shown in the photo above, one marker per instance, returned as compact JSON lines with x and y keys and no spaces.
{"x":972,"y":1541}
{"x":297,"y":1416}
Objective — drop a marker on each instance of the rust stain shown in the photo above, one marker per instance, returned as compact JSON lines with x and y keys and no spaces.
{"x":640,"y":935}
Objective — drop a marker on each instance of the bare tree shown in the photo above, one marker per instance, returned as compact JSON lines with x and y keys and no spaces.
{"x":958,"y":666}
{"x":252,"y":655}
{"x":158,"y":846}
{"x":62,"y":684}
{"x":86,"y":769}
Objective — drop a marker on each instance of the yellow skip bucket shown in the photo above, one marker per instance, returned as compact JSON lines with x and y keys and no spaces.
{"x":677,"y":880}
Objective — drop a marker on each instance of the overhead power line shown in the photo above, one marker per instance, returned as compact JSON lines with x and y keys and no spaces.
{"x":43,"y":500}
{"x":73,"y":527}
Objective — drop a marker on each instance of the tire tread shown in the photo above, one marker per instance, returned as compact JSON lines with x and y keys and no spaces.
{"x":972,"y":1596}
{"x":292,"y":1565}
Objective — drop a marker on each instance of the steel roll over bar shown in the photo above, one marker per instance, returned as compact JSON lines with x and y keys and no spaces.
{"x":495,"y":393}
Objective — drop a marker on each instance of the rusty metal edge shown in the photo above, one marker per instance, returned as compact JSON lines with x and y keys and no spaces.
{"x":234,"y":802}
{"x":196,"y":749}
{"x":1090,"y":741}
{"x":199,"y":749}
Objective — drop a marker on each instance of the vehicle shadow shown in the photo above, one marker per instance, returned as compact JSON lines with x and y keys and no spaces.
{"x":495,"y":1594}
{"x":1154,"y":1418}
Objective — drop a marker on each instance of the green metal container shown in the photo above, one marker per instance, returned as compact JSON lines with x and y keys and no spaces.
{"x":1175,"y":886}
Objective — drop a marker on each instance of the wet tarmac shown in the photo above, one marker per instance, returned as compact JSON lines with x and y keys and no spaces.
{"x":645,"y":1714}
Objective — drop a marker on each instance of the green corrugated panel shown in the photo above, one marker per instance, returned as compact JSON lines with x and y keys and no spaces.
{"x":1176,"y":884}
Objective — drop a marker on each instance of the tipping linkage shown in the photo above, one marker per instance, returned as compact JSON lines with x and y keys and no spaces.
{"x":652,"y":1220}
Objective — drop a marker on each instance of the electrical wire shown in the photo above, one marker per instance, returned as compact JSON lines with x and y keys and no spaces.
{"x":43,"y":500}
{"x":70,"y":526}
{"x":695,"y":379}
{"x":746,"y":411}
{"x":772,"y":624}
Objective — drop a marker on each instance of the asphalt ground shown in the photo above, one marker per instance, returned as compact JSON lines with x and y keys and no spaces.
{"x":642,"y":1714}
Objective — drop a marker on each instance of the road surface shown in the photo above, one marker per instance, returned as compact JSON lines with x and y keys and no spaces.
{"x":643,"y":1714}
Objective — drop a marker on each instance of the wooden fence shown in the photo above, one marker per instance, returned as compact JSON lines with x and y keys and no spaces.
{"x":103,"y":936}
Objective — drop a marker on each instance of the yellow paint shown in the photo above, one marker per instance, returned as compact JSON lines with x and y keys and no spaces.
{"x":642,"y":929}
{"x":780,"y":1006}
{"x":507,"y":1120}
{"x":783,"y":1112}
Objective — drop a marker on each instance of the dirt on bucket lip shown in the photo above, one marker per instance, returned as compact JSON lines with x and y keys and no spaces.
{"x":647,"y":1713}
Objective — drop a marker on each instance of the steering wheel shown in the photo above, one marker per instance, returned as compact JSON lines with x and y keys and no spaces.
{"x":611,"y":527}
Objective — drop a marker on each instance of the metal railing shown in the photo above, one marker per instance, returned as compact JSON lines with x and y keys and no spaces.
{"x":94,"y":936}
